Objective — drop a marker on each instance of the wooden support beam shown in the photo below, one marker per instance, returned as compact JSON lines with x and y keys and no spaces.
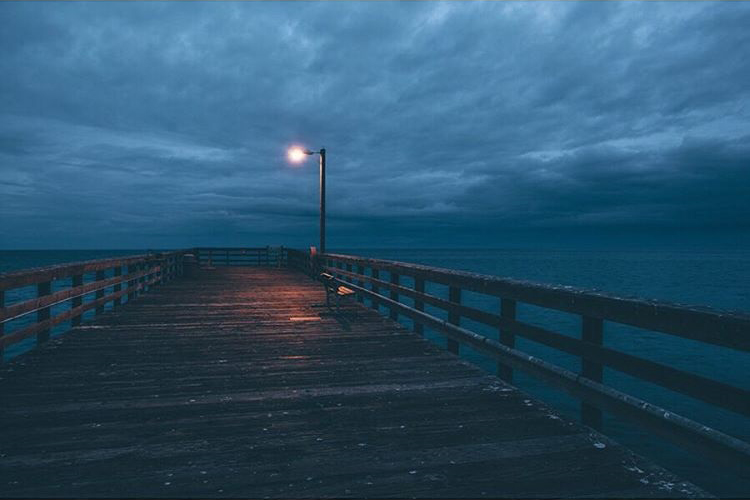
{"x":42,"y":289}
{"x":339,"y":265}
{"x":99,"y":293}
{"x":373,"y":301}
{"x":454,"y":296}
{"x":360,"y":271}
{"x":394,"y":296}
{"x":118,"y":287}
{"x":418,"y":305}
{"x":506,"y":337}
{"x":132,"y":269}
{"x":592,"y":332}
{"x":75,"y":281}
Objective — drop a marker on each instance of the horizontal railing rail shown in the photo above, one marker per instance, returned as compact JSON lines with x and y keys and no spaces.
{"x":241,"y":256}
{"x":141,"y":272}
{"x":726,"y":329}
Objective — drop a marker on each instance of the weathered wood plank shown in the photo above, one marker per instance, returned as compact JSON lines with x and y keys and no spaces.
{"x":204,"y":387}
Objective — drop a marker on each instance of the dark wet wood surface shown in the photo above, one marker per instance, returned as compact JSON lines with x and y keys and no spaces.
{"x":233,"y":384}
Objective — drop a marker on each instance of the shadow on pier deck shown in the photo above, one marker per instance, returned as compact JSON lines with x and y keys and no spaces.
{"x":234,"y":384}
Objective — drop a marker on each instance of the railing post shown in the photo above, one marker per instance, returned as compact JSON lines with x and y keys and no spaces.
{"x":2,"y":326}
{"x":118,"y":301}
{"x":374,"y":302}
{"x":592,"y":331}
{"x":418,"y":305}
{"x":75,"y":281}
{"x":146,"y":266}
{"x":132,"y":268}
{"x":394,"y":296}
{"x":158,"y":276}
{"x":149,"y":267}
{"x":454,"y":295}
{"x":99,"y":293}
{"x":42,"y":289}
{"x":164,"y":270}
{"x":360,"y":271}
{"x":507,"y":338}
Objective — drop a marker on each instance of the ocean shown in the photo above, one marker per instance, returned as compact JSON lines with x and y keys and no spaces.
{"x":712,"y":278}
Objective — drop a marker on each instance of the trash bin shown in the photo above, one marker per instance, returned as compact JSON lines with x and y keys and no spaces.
{"x":189,"y":265}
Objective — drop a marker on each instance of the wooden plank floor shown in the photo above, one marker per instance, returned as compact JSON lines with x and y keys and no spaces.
{"x":204,"y":387}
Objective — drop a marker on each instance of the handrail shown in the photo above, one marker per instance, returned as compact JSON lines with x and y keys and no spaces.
{"x":727,"y":329}
{"x":17,"y":279}
{"x":143,"y":271}
{"x":724,"y":328}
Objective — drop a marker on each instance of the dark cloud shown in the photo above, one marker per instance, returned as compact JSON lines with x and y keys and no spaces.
{"x":165,"y":124}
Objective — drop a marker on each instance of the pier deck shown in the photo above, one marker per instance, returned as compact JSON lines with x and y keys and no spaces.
{"x":233,"y":383}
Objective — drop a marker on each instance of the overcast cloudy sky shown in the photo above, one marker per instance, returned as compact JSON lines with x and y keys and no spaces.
{"x":447,"y":124}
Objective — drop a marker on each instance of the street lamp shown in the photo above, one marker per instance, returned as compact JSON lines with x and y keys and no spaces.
{"x":297,"y":154}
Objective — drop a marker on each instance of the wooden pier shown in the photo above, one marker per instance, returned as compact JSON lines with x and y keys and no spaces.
{"x":239,"y":382}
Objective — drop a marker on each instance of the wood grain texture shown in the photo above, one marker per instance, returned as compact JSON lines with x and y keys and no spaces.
{"x":205,"y":388}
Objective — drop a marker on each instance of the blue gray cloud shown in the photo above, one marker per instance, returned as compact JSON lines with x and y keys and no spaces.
{"x":165,"y":124}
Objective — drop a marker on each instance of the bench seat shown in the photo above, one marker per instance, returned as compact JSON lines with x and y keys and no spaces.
{"x":329,"y":282}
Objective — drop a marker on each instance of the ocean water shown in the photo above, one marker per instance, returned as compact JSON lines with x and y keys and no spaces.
{"x":716,"y":279}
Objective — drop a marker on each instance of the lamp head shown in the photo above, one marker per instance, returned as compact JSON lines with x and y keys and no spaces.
{"x":296,"y":154}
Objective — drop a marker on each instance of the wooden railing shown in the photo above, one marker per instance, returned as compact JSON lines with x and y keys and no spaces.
{"x":113,"y":279}
{"x":719,"y":328}
{"x":239,"y":256}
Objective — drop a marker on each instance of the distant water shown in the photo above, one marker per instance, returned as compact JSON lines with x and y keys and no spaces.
{"x":716,"y":279}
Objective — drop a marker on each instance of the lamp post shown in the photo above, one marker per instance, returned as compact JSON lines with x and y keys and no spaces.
{"x":297,"y":154}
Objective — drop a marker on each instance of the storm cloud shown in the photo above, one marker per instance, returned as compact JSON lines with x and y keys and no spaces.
{"x":446,"y":124}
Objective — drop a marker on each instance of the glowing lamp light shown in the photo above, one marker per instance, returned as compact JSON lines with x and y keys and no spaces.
{"x":296,"y":154}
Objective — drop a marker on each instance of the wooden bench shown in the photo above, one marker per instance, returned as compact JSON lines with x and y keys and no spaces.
{"x":333,"y":288}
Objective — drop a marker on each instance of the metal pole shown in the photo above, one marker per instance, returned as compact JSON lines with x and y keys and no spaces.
{"x":322,"y":201}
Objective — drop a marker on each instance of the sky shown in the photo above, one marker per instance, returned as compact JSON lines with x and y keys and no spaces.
{"x":471,"y":124}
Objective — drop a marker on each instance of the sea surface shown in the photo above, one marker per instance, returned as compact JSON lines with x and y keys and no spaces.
{"x":719,"y":279}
